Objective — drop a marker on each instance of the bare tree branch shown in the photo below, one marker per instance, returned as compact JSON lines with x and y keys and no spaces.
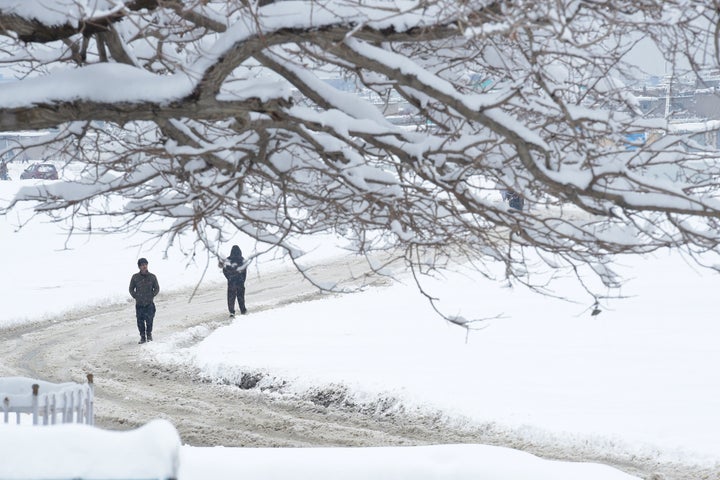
{"x":276,"y":119}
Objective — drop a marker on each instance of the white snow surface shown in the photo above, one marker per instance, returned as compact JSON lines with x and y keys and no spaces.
{"x":640,"y":377}
{"x":80,"y":451}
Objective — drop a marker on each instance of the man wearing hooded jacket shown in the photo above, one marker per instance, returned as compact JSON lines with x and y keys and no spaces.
{"x":234,"y":269}
{"x":143,"y":288}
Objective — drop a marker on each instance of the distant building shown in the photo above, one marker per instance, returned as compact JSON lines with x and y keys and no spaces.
{"x":681,"y":98}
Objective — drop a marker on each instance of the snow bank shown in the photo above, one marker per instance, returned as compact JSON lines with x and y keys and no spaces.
{"x":456,"y":462}
{"x":80,"y":451}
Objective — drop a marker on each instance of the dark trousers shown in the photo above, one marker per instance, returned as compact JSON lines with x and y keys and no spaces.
{"x":145,"y":315}
{"x":236,"y":291}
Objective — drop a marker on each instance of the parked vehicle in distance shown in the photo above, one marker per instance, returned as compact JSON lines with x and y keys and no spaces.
{"x":46,"y":171}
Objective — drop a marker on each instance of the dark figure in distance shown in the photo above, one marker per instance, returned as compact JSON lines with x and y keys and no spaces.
{"x":234,"y":271}
{"x":514,"y":199}
{"x":143,"y":288}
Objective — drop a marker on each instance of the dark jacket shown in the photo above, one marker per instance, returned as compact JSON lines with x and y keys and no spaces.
{"x":234,"y":267}
{"x":143,"y":288}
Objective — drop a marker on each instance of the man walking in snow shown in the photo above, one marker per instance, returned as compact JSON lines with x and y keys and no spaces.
{"x":143,"y":288}
{"x":234,"y":269}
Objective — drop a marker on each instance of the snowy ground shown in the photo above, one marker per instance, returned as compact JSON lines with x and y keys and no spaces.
{"x":639,"y":379}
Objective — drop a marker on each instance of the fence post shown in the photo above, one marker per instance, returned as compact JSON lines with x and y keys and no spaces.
{"x":46,"y":411}
{"x":72,"y":406}
{"x":91,"y":400}
{"x":80,"y":418}
{"x":54,"y":408}
{"x":35,"y":388}
{"x":65,"y":407}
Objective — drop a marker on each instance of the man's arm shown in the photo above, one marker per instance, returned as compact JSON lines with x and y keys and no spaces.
{"x":226,"y":270}
{"x":243,"y":274}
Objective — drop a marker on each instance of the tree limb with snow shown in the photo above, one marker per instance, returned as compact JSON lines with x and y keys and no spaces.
{"x":216,"y":116}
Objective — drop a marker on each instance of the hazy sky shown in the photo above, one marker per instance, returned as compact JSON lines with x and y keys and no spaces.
{"x":648,"y":58}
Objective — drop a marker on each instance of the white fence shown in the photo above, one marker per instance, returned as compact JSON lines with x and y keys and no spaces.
{"x":54,"y":402}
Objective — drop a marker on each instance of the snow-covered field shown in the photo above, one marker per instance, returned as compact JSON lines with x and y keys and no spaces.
{"x":640,"y":378}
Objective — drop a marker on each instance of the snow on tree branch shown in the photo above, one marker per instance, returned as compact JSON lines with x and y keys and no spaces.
{"x":401,"y":125}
